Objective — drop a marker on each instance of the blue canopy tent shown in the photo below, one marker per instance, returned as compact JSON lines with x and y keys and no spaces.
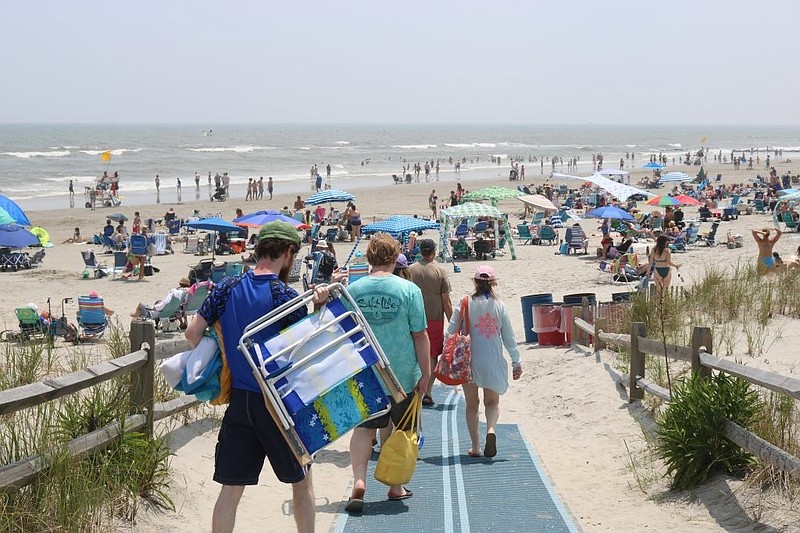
{"x":399,"y":226}
{"x":214,"y":224}
{"x":259,"y":218}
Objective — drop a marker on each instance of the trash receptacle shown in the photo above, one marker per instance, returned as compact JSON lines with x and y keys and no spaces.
{"x":621,"y":296}
{"x":577,"y":298}
{"x":527,"y":313}
{"x":546,"y":324}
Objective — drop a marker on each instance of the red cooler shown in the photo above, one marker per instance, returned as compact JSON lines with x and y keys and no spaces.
{"x":546,"y":324}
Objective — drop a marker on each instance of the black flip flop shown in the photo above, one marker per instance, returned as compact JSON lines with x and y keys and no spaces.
{"x":406,"y":495}
{"x":427,"y":400}
{"x":490,"y":450}
{"x":354,"y":505}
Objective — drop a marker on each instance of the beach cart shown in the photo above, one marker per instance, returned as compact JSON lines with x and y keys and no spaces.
{"x":322,"y":376}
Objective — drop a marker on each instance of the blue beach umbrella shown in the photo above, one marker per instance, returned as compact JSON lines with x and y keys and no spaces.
{"x":5,"y":218}
{"x":14,"y":210}
{"x":654,"y":165}
{"x":609,"y":211}
{"x":399,"y":224}
{"x":331,"y":195}
{"x":215,"y":224}
{"x":15,"y":236}
{"x":259,"y":218}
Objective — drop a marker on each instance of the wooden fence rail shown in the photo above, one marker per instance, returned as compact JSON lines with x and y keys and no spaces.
{"x":703,"y":362}
{"x":140,"y":365}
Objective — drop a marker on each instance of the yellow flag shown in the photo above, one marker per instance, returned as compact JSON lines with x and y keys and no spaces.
{"x":106,"y":156}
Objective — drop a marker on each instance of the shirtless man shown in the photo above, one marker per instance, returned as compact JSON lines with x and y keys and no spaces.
{"x":766,"y":262}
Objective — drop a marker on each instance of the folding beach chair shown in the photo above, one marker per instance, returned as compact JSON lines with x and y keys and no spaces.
{"x":92,"y":321}
{"x":356,"y":271}
{"x":120,"y":263}
{"x":97,"y":270}
{"x":37,"y":259}
{"x":195,"y":298}
{"x":547,"y":233}
{"x":524,"y":233}
{"x":322,"y":376}
{"x":30,"y":324}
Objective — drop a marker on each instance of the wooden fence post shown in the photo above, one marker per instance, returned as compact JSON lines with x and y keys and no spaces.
{"x":585,"y":315}
{"x":637,"y":361}
{"x":599,"y":324}
{"x":142,"y":379}
{"x":575,"y":331}
{"x":701,"y":336}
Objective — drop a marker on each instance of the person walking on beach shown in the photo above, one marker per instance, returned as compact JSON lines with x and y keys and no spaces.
{"x":490,"y":330}
{"x":158,"y":184}
{"x":661,"y":263}
{"x":270,"y":187}
{"x":178,"y":188}
{"x":248,"y":434}
{"x":328,"y":171}
{"x":355,"y":222}
{"x":261,"y":187}
{"x":395,"y":311}
{"x":197,"y":180}
{"x":434,"y":283}
{"x":249,"y":195}
{"x":766,"y":262}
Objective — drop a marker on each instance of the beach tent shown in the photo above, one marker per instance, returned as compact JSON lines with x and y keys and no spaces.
{"x":14,"y":211}
{"x":5,"y":218}
{"x":619,"y":190}
{"x":472,"y":212}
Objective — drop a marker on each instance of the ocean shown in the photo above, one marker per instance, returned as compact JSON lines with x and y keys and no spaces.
{"x":38,"y":160}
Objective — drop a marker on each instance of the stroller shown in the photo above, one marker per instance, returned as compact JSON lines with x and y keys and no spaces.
{"x":219,"y":195}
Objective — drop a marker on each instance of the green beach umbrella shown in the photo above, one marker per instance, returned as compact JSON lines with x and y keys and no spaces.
{"x":493,"y":193}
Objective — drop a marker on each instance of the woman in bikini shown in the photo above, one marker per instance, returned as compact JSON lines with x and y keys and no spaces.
{"x":766,"y":263}
{"x":661,"y":263}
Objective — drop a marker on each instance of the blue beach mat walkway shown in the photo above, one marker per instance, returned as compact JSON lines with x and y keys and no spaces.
{"x":457,"y":493}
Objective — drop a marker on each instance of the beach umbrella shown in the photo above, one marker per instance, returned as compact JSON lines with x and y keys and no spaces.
{"x":663,"y":201}
{"x":784,"y":192}
{"x":654,"y":165}
{"x":14,"y":211}
{"x":612,"y":172}
{"x":611,"y":212}
{"x":687,"y":200}
{"x":118,"y":217}
{"x":213,"y":224}
{"x":329,"y":196}
{"x":259,"y":218}
{"x":790,"y":196}
{"x":493,"y":193}
{"x":5,"y":218}
{"x":616,"y":189}
{"x":674,"y":176}
{"x":399,"y":224}
{"x":15,"y":236}
{"x":538,"y":201}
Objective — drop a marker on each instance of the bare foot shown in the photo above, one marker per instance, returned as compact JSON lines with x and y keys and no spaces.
{"x":474,"y":453}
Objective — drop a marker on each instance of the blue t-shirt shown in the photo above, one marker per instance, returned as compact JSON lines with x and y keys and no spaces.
{"x":240,"y":300}
{"x":394,"y":309}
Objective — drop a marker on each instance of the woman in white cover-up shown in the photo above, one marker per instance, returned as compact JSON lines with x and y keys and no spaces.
{"x":490,"y":330}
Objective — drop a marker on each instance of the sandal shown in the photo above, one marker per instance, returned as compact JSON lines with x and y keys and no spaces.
{"x":490,"y":450}
{"x":406,"y":495}
{"x":427,"y":400}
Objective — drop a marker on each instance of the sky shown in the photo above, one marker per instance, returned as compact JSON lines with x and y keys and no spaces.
{"x":414,"y":61}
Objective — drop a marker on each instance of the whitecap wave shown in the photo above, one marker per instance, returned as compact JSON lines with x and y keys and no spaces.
{"x":674,"y":145}
{"x":237,"y":149}
{"x":76,"y":179}
{"x":787,"y":148}
{"x":413,"y":146}
{"x":116,"y":151}
{"x":28,"y":155}
{"x":471,"y":145}
{"x":342,"y":142}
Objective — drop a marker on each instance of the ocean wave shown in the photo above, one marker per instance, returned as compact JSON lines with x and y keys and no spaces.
{"x":786,"y":148}
{"x":238,"y":149}
{"x":674,"y":145}
{"x":413,"y":146}
{"x":116,"y":151}
{"x":342,"y":142}
{"x":28,"y":155}
{"x":471,"y":145}
{"x":76,"y":179}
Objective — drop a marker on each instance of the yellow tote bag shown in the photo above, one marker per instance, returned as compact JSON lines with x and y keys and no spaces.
{"x":398,"y":458}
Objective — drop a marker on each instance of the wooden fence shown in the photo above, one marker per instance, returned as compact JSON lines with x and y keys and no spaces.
{"x":139,"y":365}
{"x":586,"y":331}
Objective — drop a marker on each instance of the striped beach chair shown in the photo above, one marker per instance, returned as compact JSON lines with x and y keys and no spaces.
{"x":92,"y":321}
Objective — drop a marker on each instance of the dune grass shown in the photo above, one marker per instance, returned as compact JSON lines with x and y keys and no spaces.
{"x":91,"y":493}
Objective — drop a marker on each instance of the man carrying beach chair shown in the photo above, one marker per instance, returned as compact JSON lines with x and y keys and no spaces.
{"x":248,"y":433}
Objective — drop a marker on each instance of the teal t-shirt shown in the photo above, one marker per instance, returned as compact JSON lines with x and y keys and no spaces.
{"x":394,"y":308}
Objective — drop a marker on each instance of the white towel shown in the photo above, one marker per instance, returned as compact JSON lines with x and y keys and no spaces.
{"x":190,"y":364}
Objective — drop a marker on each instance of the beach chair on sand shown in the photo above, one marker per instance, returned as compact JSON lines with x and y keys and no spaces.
{"x":787,"y":219}
{"x":578,"y":240}
{"x":461,"y":249}
{"x":30,"y":324}
{"x":547,"y":233}
{"x":120,"y":263}
{"x":322,"y":376}
{"x":711,"y":238}
{"x":92,"y":320}
{"x":97,"y":270}
{"x":195,"y":297}
{"x":524,"y":233}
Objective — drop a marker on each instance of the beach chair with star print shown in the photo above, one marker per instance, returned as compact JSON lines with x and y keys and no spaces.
{"x":322,"y":376}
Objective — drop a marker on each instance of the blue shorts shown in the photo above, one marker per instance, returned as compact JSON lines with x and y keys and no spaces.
{"x":248,"y":435}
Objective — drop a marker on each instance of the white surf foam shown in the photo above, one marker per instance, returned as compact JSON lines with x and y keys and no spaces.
{"x":237,"y":149}
{"x":28,"y":155}
{"x":413,"y":146}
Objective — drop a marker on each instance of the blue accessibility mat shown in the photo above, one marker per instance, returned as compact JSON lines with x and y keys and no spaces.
{"x":454,"y":492}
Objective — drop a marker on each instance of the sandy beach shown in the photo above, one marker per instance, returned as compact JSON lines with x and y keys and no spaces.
{"x":566,"y":403}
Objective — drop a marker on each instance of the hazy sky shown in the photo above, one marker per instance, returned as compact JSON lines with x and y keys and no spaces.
{"x":431,"y":61}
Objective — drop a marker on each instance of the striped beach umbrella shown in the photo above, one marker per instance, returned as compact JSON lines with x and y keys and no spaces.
{"x":663,"y":200}
{"x":675,"y":176}
{"x":329,"y":196}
